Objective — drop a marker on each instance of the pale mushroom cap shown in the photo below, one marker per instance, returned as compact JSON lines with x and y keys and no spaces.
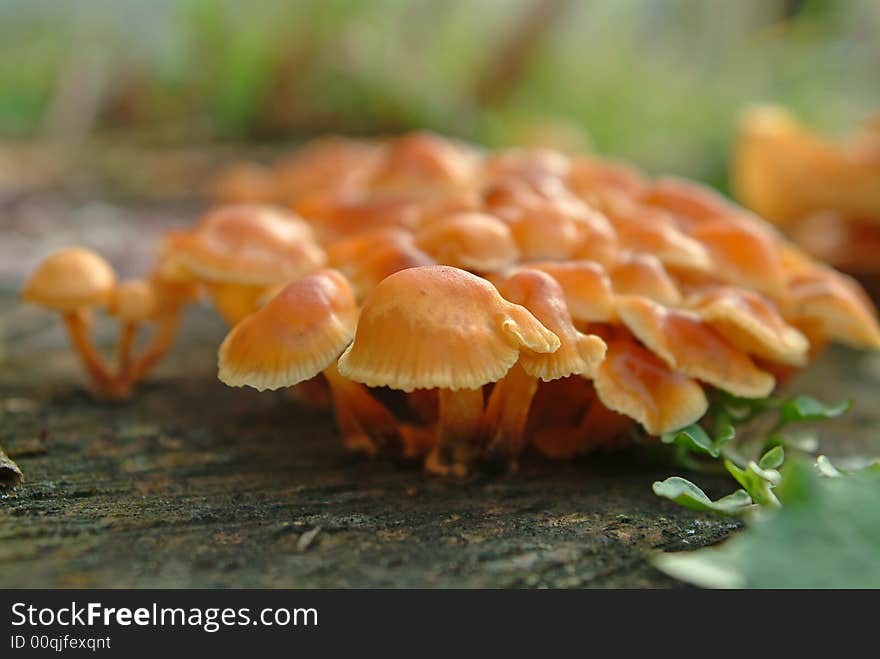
{"x":633,"y":381}
{"x":250,"y":244}
{"x":439,"y":326}
{"x":836,"y":304}
{"x":644,"y":274}
{"x":293,"y":337}
{"x":471,"y":241}
{"x":587,"y":288}
{"x":538,"y":292}
{"x":691,"y":346}
{"x":751,"y":323}
{"x":134,"y":300}
{"x":69,"y":279}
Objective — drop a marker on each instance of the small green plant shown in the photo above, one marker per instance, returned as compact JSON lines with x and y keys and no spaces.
{"x":711,"y":447}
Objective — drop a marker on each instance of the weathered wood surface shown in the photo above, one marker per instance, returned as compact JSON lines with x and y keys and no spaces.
{"x":195,"y":484}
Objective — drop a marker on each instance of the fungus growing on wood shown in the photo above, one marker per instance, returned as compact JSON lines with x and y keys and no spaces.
{"x":439,"y":327}
{"x":297,"y":335}
{"x":578,"y":354}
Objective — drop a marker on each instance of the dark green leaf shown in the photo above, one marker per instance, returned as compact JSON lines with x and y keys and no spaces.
{"x":757,"y":482}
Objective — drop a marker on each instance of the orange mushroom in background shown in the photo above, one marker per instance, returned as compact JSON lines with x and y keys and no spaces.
{"x":439,"y":327}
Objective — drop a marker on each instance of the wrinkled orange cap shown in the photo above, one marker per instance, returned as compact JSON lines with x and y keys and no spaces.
{"x":293,"y":337}
{"x":644,"y":274}
{"x":633,"y":381}
{"x":472,"y":241}
{"x":439,"y":326}
{"x":538,"y":292}
{"x":69,"y":279}
{"x":751,"y":323}
{"x":691,"y":346}
{"x":587,"y":288}
{"x":134,"y":300}
{"x":250,"y":244}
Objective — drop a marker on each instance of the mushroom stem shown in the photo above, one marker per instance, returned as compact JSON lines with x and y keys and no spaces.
{"x":77,"y":324}
{"x":361,"y":417}
{"x":125,"y":350}
{"x":235,"y":301}
{"x":458,"y":429}
{"x":507,"y":412}
{"x":161,"y":342}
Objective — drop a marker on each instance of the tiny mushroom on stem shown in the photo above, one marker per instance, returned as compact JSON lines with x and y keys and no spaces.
{"x":444,"y":328}
{"x":72,"y":281}
{"x":133,"y":303}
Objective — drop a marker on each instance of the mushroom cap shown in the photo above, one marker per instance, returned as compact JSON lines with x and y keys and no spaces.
{"x":293,"y":337}
{"x":425,"y":161}
{"x":134,"y":300}
{"x":744,"y":255}
{"x":325,"y":163}
{"x":643,"y":228}
{"x":336,"y":215}
{"x":250,"y":244}
{"x":471,"y":241}
{"x":820,"y":297}
{"x":633,"y":381}
{"x":578,"y":353}
{"x":644,"y":274}
{"x":691,"y":346}
{"x":527,"y":163}
{"x":591,"y":178}
{"x":589,"y":295}
{"x":69,"y":279}
{"x":438,"y":326}
{"x":751,"y":323}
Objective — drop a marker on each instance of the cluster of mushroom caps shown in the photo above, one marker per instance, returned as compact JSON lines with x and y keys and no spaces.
{"x":455,"y":305}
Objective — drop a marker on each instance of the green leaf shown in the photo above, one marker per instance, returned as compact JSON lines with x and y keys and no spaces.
{"x":743,"y":409}
{"x":804,"y":408}
{"x":826,"y":536}
{"x":694,"y":438}
{"x":772,"y":459}
{"x":758,"y":482}
{"x":824,"y":467}
{"x":804,"y":441}
{"x":685,"y":493}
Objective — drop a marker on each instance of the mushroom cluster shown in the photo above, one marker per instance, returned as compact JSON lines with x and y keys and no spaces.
{"x":454,"y":305}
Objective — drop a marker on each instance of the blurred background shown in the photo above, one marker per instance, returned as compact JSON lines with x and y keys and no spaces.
{"x":144,"y":99}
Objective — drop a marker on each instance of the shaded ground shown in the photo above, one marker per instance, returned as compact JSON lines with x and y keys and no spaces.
{"x":196,"y":484}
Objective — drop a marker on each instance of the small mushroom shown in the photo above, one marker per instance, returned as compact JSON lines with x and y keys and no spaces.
{"x":245,"y":183}
{"x":589,"y":295}
{"x":751,"y":323}
{"x":297,"y":335}
{"x":424,"y":162}
{"x":689,"y":345}
{"x":633,"y":381}
{"x":72,"y":281}
{"x":445,"y":328}
{"x":238,"y":251}
{"x":472,"y":241}
{"x":644,"y":274}
{"x":578,"y":354}
{"x":133,"y":303}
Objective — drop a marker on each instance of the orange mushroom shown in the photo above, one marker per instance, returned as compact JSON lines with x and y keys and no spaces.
{"x":751,"y":323}
{"x":578,"y":354}
{"x":589,"y":295}
{"x":72,"y":281}
{"x":444,"y":328}
{"x":238,"y":251}
{"x":689,"y":345}
{"x":133,"y":303}
{"x":245,"y":183}
{"x":633,"y":381}
{"x":297,"y":335}
{"x":644,"y":274}
{"x":472,"y":241}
